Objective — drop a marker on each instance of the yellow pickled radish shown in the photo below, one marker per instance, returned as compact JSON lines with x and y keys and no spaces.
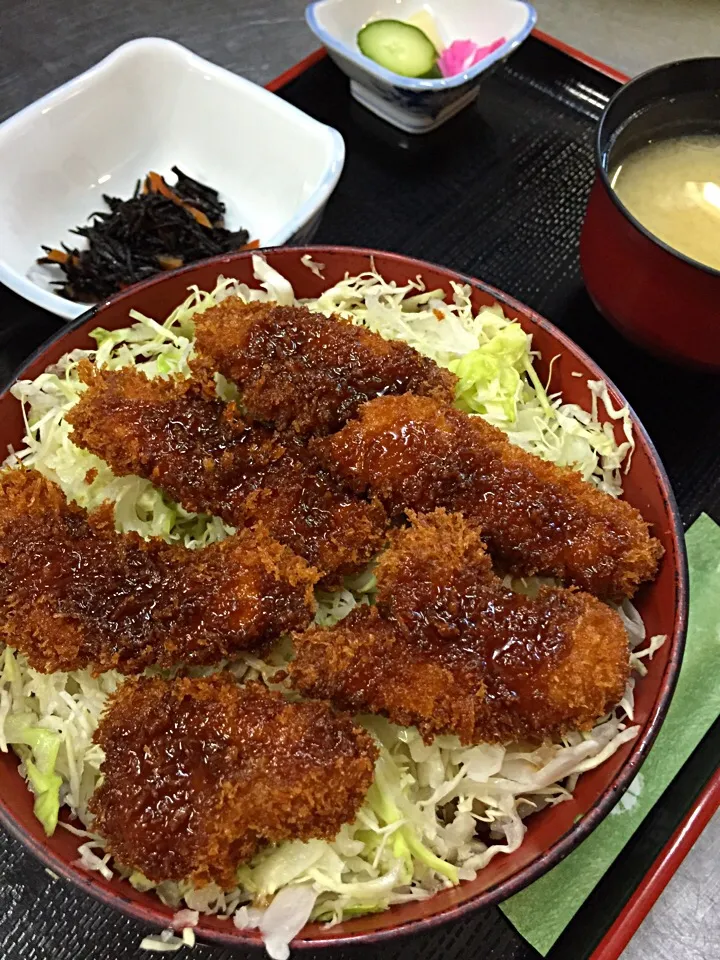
{"x":425,"y":21}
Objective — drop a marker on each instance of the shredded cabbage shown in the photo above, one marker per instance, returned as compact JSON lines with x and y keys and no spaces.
{"x":436,"y":814}
{"x":288,"y":913}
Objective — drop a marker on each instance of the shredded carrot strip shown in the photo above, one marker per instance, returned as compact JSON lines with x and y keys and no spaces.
{"x":156,"y":184}
{"x":198,"y":214}
{"x":57,"y":256}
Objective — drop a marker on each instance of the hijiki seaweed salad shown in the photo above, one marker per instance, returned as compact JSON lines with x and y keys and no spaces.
{"x":285,"y":678}
{"x":161,"y":227}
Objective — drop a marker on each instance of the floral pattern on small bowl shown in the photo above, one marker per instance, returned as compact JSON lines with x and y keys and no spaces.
{"x":418,"y":105}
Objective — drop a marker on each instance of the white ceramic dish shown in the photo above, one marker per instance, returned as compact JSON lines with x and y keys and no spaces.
{"x":148,"y":105}
{"x":418,"y":106}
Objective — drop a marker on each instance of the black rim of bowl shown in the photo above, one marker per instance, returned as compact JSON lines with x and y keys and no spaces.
{"x":603,"y":172}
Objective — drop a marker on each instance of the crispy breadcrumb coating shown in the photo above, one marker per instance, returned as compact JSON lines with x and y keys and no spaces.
{"x":306,"y":371}
{"x":199,"y":774}
{"x":536,"y":517}
{"x":75,"y":593}
{"x":450,"y":649}
{"x":364,"y":664}
{"x":205,"y":457}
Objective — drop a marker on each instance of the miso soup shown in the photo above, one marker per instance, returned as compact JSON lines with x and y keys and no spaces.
{"x":673,"y":188}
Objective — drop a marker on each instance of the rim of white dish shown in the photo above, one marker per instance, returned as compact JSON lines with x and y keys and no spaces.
{"x":69,"y":309}
{"x":415,"y":83}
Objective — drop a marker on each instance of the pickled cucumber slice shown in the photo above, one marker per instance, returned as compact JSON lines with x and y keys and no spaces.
{"x":398,"y":46}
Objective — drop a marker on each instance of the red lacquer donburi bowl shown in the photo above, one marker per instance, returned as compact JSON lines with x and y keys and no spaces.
{"x":554,"y":832}
{"x":657,"y":297}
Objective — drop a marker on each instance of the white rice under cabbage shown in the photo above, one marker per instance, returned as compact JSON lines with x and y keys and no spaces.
{"x":419,"y":828}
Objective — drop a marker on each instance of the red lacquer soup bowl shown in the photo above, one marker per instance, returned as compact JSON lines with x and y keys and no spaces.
{"x":554,"y":832}
{"x":657,"y":297}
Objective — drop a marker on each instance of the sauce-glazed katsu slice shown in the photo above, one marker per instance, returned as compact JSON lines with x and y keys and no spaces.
{"x":74,"y":593}
{"x":199,"y":774}
{"x":365,"y":664}
{"x":204,"y":456}
{"x":450,"y":649}
{"x":305,"y":371}
{"x":536,"y":517}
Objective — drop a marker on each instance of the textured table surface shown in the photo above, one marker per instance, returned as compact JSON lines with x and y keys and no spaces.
{"x":45,"y":42}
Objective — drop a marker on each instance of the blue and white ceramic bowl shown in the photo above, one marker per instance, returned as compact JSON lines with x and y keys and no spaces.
{"x":418,"y":106}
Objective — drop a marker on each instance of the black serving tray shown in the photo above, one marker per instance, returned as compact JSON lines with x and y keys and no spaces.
{"x":499,"y":193}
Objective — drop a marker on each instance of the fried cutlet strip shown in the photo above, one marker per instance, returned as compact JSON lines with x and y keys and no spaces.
{"x":305,"y":371}
{"x":74,"y":593}
{"x":450,"y":649}
{"x":428,"y":578}
{"x":366,"y":665}
{"x":205,"y":457}
{"x":558,"y":657}
{"x":536,"y":517}
{"x":199,"y":774}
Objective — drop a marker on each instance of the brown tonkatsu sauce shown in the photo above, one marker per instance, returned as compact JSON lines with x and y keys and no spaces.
{"x":508,"y":636}
{"x":200,"y":773}
{"x":75,"y":593}
{"x":536,"y":518}
{"x":206,"y":457}
{"x":451,"y":649}
{"x":302,"y":370}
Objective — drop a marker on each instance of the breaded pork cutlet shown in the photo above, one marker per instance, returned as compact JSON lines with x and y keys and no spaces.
{"x":301,"y":370}
{"x":207,"y":458}
{"x":75,"y":593}
{"x":450,"y":649}
{"x":558,"y":655}
{"x":200,"y":774}
{"x":365,"y":664}
{"x":536,"y":517}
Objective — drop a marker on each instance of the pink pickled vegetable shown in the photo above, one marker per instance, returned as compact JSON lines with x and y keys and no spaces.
{"x":463,"y":54}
